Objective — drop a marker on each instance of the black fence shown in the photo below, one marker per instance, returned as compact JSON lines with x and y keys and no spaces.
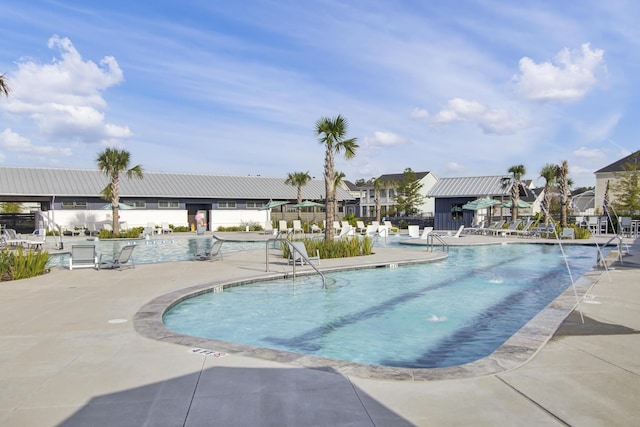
{"x":405,"y":221}
{"x":23,"y":223}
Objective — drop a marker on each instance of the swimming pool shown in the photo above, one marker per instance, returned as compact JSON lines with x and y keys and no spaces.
{"x":420,"y":316}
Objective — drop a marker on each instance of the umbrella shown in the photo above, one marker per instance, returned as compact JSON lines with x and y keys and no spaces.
{"x":307,"y":204}
{"x":273,"y":204}
{"x":478,"y":204}
{"x":521,"y":204}
{"x":120,"y":206}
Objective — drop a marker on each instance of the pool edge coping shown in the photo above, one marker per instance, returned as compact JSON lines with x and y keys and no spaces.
{"x":516,"y":351}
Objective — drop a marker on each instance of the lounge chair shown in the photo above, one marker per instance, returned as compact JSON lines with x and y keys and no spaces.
{"x":496,"y":225}
{"x":337,"y":228}
{"x":38,"y":240}
{"x":513,"y":225}
{"x":390,"y":227}
{"x":121,"y":259}
{"x":297,"y":227}
{"x":360,"y":227}
{"x":346,"y":231}
{"x":371,"y":230}
{"x":107,"y":227}
{"x":425,"y":232}
{"x":83,"y":256}
{"x":476,"y":228}
{"x":283,"y":228}
{"x":548,"y":230}
{"x":214,"y":253}
{"x":454,"y":236}
{"x":298,"y":253}
{"x":268,"y":228}
{"x":414,"y":231}
{"x":316,"y":229}
{"x":164,"y":228}
{"x":568,"y":233}
{"x":11,"y":239}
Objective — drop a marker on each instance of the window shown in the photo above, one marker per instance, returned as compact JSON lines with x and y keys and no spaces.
{"x":168,"y":204}
{"x":456,"y":211}
{"x":140,"y":204}
{"x":227,"y":205}
{"x":74,"y":204}
{"x":255,"y":205}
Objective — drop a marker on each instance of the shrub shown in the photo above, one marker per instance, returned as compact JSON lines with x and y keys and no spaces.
{"x":22,"y":264}
{"x":342,"y":248}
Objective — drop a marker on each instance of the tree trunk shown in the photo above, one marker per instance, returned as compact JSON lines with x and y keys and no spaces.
{"x":329,"y":185}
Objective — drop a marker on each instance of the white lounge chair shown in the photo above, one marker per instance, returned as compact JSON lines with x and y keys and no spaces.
{"x":298,"y":253}
{"x":283,"y":228}
{"x":360,"y":227}
{"x":123,"y":258}
{"x":390,"y":227}
{"x":214,"y":253}
{"x":316,"y":229}
{"x":164,"y":228}
{"x":414,"y":231}
{"x":337,"y":228}
{"x":38,"y":240}
{"x":425,"y":232}
{"x":297,"y":227}
{"x":10,"y":238}
{"x":454,"y":236}
{"x":83,"y":256}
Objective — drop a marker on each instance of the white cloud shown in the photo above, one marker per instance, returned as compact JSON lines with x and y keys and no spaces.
{"x":384,"y":139}
{"x":455,"y":167}
{"x":589,"y":153}
{"x":14,"y":142}
{"x":491,"y":121}
{"x":569,"y":77}
{"x":419,"y":113}
{"x":64,"y":98}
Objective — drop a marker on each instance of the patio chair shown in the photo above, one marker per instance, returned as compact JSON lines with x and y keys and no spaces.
{"x":425,"y":232}
{"x":83,"y":256}
{"x":298,"y":253}
{"x":316,"y":229}
{"x":360,"y":227}
{"x":214,"y":253}
{"x":283,"y":228}
{"x":123,"y":258}
{"x":625,"y":226}
{"x":337,"y":228}
{"x":38,"y":240}
{"x":454,"y":236}
{"x":513,"y":225}
{"x":268,"y":228}
{"x":297,"y":227}
{"x":165,"y":228}
{"x":496,"y":225}
{"x":568,"y":233}
{"x":390,"y":227}
{"x":414,"y":231}
{"x":10,"y":238}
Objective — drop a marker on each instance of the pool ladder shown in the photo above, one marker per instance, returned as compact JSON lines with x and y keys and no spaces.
{"x":293,"y":248}
{"x":432,"y":237}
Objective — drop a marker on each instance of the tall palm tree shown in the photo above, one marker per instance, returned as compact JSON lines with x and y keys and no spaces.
{"x":548,"y":172}
{"x":331,"y":133}
{"x":114,"y":162}
{"x":298,"y":180}
{"x":4,"y":86}
{"x":564,"y":188}
{"x":514,"y":182}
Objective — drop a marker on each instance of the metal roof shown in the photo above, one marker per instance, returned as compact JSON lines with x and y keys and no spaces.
{"x":15,"y":181}
{"x":473,"y":186}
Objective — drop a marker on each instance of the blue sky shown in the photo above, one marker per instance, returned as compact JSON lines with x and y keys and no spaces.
{"x":459,"y":88}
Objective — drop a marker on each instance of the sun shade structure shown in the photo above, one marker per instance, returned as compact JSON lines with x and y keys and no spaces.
{"x":478,"y":204}
{"x":273,"y":204}
{"x":307,"y":204}
{"x":521,"y":204}
{"x":120,"y":206}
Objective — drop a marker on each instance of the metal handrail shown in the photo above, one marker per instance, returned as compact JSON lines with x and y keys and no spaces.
{"x":294,"y":249}
{"x":430,"y":239}
{"x":619,"y":237}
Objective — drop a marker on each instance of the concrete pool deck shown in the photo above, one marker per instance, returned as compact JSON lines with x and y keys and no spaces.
{"x":70,"y":355}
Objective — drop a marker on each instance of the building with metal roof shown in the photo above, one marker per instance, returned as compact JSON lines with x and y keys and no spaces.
{"x":610,"y":175}
{"x":75,"y":196}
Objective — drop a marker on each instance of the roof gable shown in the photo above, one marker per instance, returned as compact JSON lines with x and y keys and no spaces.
{"x":618,"y":165}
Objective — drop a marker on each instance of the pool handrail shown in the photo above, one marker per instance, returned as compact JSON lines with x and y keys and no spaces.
{"x":293,"y":248}
{"x":433,"y":236}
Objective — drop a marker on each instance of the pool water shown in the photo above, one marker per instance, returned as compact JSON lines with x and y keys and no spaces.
{"x":159,"y":249}
{"x":420,"y":316}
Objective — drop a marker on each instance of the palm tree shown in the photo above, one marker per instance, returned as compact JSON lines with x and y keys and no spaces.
{"x":548,"y":172}
{"x":331,"y":132}
{"x":4,"y":86}
{"x":564,"y":188}
{"x":113,"y":162}
{"x":514,"y":182}
{"x":299,"y":180}
{"x":337,"y":182}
